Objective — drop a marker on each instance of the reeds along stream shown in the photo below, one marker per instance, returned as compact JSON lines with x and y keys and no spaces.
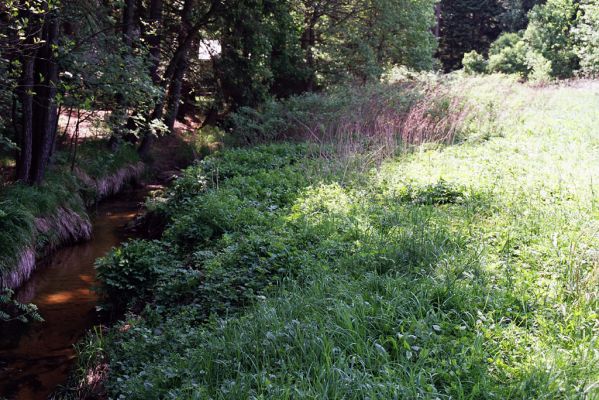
{"x":37,"y":358}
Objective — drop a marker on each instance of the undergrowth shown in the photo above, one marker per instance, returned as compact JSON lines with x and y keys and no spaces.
{"x":463,"y":272}
{"x":22,"y":206}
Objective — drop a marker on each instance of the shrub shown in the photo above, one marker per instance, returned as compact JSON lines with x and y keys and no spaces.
{"x":438,"y":193}
{"x":549,"y":34}
{"x":474,"y":63}
{"x":508,"y":55}
{"x":13,"y":310}
{"x":540,"y":67}
{"x":587,"y":38}
{"x":129,"y":273}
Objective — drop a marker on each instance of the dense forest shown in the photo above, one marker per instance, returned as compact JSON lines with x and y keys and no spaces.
{"x":289,"y":199}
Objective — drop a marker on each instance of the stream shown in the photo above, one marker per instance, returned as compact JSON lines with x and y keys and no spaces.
{"x":35,"y":359}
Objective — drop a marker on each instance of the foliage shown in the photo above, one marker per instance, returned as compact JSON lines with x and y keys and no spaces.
{"x":549,"y":35}
{"x":508,"y":55}
{"x":557,"y":43}
{"x":21,"y":205}
{"x":213,"y":211}
{"x":368,"y":120}
{"x":285,"y":48}
{"x":540,"y":68}
{"x":208,"y":140}
{"x":587,"y":36}
{"x":131,"y":271}
{"x":474,"y":63}
{"x":13,"y":310}
{"x":380,"y":34}
{"x":436,"y":276}
{"x":96,"y":159}
{"x":468,"y":25}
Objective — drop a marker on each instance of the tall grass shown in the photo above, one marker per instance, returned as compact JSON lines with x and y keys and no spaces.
{"x":377,"y":119}
{"x":34,"y":220}
{"x":461,"y":272}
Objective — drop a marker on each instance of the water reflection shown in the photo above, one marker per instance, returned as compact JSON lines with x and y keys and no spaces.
{"x":37,"y":358}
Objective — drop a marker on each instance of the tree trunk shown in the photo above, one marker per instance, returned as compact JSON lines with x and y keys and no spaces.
{"x":154,"y":38}
{"x":437,"y":29}
{"x":26,"y":135}
{"x":128,"y":22}
{"x":308,"y":42}
{"x":174,"y":93}
{"x":180,"y":62}
{"x":45,"y":108}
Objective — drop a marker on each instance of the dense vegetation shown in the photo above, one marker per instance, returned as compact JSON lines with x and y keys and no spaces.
{"x":357,"y":223}
{"x":560,"y":41}
{"x":464,"y":271}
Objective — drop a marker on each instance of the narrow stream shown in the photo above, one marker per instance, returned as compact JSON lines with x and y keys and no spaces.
{"x":36,"y":359}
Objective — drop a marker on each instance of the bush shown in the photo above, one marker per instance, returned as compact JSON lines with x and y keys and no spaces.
{"x":540,"y":67}
{"x":220,"y":229}
{"x":131,"y":272}
{"x":549,"y":34}
{"x":508,"y":55}
{"x":474,"y":63}
{"x":587,"y":38}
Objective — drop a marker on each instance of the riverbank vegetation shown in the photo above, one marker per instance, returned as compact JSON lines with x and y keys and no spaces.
{"x":355,"y":198}
{"x":454,"y":271}
{"x":35,"y":220}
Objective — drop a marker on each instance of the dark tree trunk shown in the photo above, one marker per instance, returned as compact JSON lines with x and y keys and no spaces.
{"x":154,"y":38}
{"x":26,"y":135}
{"x":437,"y":29}
{"x":180,"y":62}
{"x":128,"y":22}
{"x":45,"y":108}
{"x":308,"y":42}
{"x":174,"y":93}
{"x":177,"y":67}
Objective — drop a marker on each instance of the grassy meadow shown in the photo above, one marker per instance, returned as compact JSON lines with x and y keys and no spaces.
{"x":463,"y":271}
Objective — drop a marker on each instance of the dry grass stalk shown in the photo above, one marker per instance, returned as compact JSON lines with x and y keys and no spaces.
{"x":377,"y":127}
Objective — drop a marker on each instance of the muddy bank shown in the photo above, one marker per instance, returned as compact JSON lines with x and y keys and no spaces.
{"x":35,"y":359}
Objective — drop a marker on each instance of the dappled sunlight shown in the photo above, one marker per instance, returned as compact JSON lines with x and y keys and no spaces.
{"x":66,"y":297}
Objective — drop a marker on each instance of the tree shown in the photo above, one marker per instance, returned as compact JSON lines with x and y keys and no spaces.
{"x":33,"y":29}
{"x":550,"y":35}
{"x":467,"y":25}
{"x":587,"y":38}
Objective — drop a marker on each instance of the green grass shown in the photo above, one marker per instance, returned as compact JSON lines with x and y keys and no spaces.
{"x":463,"y":272}
{"x":95,"y":158}
{"x":21,"y":204}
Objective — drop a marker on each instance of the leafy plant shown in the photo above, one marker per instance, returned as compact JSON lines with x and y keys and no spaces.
{"x":11,"y":309}
{"x":474,"y":63}
{"x":130,"y":273}
{"x":508,"y":55}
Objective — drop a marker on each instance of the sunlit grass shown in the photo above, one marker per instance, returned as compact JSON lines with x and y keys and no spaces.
{"x":465,"y":272}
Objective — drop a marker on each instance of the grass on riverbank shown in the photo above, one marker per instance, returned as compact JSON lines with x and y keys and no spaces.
{"x":462,"y":272}
{"x":21,"y":205}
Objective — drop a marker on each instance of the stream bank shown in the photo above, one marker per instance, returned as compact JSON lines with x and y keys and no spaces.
{"x":36,"y":358}
{"x":67,"y":222}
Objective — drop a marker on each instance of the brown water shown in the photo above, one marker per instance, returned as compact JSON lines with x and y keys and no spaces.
{"x":36,"y":359}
